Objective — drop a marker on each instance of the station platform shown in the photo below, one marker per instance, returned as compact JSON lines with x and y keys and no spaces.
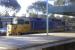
{"x":31,"y":42}
{"x":59,"y":34}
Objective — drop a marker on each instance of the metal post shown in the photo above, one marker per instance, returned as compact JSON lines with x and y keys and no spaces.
{"x":47,"y":26}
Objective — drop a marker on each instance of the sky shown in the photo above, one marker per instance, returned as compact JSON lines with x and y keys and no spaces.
{"x":25,"y":3}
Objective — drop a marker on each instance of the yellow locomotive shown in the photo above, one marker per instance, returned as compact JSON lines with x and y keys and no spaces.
{"x":18,"y":28}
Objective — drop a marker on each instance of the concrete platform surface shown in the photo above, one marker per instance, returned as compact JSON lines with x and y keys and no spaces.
{"x":20,"y":42}
{"x":58,"y":34}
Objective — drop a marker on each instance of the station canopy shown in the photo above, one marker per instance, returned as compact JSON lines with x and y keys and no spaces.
{"x":65,"y":10}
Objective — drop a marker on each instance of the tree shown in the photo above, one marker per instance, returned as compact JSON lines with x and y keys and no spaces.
{"x":9,"y":6}
{"x":38,"y":7}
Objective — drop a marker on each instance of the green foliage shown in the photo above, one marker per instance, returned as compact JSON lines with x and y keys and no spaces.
{"x":33,"y":15}
{"x":8,"y":6}
{"x":39,"y":6}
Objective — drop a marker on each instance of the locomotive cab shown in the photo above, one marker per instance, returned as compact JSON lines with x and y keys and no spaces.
{"x":19,"y":26}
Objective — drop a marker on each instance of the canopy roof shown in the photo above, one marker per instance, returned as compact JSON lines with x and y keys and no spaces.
{"x":67,"y":10}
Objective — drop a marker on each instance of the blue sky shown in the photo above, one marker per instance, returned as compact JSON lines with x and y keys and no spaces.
{"x":25,"y":3}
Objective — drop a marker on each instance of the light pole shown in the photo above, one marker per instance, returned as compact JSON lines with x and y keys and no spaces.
{"x":47,"y":25}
